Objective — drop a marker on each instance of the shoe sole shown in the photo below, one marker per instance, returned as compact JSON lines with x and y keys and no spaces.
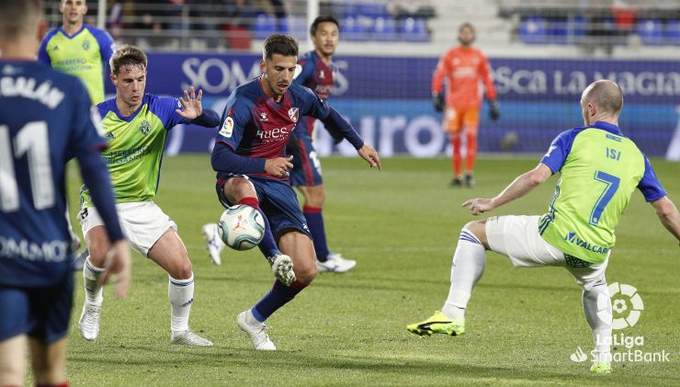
{"x":284,"y":267}
{"x":428,"y":332}
{"x":207,"y":241}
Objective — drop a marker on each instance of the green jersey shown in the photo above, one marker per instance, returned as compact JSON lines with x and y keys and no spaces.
{"x":600,"y":169}
{"x":83,"y":55}
{"x":136,"y":145}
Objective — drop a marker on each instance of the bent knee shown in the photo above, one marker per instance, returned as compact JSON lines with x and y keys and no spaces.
{"x":306,"y":275}
{"x":478,"y":229}
{"x":181,"y":270}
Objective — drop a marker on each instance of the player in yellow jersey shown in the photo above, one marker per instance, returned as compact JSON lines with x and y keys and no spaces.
{"x":599,"y":171}
{"x":78,"y":49}
{"x":136,"y":126}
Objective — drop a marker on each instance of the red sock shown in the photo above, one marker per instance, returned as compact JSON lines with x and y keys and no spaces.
{"x":65,"y":384}
{"x":471,"y":152}
{"x":457,"y":159}
{"x":250,"y":201}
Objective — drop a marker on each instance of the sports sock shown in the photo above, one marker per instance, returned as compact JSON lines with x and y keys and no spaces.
{"x":93,"y":289}
{"x":268,"y":245}
{"x":181,"y":295}
{"x":456,"y":160}
{"x":316,"y":228}
{"x":601,"y":330}
{"x":471,"y":152}
{"x":277,"y":297}
{"x":466,"y":269}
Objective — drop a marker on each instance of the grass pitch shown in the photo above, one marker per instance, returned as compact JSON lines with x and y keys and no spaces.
{"x":401,"y":225}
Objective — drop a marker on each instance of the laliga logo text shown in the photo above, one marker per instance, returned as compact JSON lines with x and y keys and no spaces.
{"x":627,"y":305}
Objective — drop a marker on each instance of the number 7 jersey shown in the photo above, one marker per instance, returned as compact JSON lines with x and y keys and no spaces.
{"x":600,"y":169}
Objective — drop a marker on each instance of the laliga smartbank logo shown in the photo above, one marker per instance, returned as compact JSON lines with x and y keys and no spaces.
{"x":626,"y":309}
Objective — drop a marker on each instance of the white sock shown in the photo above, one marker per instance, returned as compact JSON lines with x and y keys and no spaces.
{"x":466,"y":269}
{"x":181,"y":295}
{"x":93,"y":289}
{"x":602,"y":330}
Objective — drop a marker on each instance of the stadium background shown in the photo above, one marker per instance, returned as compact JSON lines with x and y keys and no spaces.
{"x":401,"y":223}
{"x":543,"y":54}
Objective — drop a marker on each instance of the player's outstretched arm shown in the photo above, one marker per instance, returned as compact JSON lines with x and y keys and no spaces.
{"x":522,"y":185}
{"x":668,"y":215}
{"x":369,"y":154}
{"x":118,"y":263}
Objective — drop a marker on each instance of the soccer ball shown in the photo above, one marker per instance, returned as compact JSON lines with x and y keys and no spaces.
{"x":241,"y":227}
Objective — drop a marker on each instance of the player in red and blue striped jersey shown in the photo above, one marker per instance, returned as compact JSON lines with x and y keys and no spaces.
{"x":316,"y":71}
{"x":44,"y":121}
{"x":253,"y":169}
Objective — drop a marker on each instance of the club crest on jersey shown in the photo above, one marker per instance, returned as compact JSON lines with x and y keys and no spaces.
{"x":145,"y":127}
{"x":294,"y":114}
{"x":227,"y":128}
{"x":86,"y":45}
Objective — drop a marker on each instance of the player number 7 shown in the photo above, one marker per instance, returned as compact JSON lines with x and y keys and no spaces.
{"x":612,"y":184}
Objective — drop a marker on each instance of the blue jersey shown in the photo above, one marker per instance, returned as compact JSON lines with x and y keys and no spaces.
{"x":255,"y":126}
{"x":315,"y":74}
{"x":44,"y":120}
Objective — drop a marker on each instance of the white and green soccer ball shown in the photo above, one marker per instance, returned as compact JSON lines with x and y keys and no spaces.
{"x":241,"y":227}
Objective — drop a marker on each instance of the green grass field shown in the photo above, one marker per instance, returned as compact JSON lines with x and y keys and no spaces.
{"x":401,"y":225}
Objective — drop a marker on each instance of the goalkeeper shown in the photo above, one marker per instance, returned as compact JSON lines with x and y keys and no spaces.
{"x":463,"y":67}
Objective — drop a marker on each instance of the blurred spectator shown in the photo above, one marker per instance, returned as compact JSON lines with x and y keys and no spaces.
{"x":624,"y":17}
{"x":402,"y":9}
{"x":150,"y":17}
{"x":239,"y":16}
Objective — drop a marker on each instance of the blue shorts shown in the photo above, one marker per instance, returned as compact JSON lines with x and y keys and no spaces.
{"x":40,"y":313}
{"x":306,"y":165}
{"x":278,"y":201}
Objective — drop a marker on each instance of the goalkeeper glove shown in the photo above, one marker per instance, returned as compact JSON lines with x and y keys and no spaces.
{"x":438,"y":101}
{"x":494,"y":109}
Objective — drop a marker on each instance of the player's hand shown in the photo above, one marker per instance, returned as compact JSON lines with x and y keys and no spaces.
{"x":369,"y":154}
{"x":438,"y":101}
{"x":279,"y":166}
{"x":479,"y":206}
{"x":494,"y":109}
{"x":191,"y":104}
{"x":119,"y":263}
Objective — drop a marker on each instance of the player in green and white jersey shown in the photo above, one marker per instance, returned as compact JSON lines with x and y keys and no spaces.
{"x":78,"y":49}
{"x":136,"y":126}
{"x":600,"y":169}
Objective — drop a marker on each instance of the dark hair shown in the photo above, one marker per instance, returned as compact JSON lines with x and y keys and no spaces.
{"x":467,"y":25}
{"x":322,"y":19}
{"x":279,"y":44}
{"x":18,"y":17}
{"x":127,"y":55}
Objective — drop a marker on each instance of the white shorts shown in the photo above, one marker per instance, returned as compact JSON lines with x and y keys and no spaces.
{"x":517,"y":237}
{"x":143,"y":223}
